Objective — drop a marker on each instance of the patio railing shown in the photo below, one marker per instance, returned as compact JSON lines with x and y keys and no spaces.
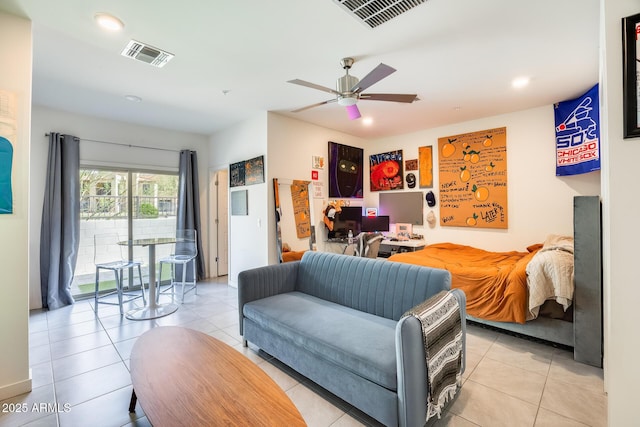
{"x":112,"y":207}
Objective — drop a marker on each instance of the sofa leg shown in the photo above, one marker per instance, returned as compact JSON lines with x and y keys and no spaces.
{"x":245,"y":343}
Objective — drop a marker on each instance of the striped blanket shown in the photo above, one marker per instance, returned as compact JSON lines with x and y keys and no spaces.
{"x":442,"y":335}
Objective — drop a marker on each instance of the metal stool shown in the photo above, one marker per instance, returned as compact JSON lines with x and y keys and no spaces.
{"x":107,"y":255}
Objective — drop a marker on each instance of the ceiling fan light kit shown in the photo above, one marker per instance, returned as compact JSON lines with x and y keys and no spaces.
{"x":353,"y":112}
{"x":349,"y":89}
{"x":347,"y":100}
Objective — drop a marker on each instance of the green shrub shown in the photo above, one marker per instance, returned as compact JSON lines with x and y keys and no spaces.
{"x":148,"y":210}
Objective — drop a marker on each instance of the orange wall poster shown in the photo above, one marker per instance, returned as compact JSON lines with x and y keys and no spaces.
{"x":300,"y":199}
{"x":473,"y":179}
{"x":425,"y":156}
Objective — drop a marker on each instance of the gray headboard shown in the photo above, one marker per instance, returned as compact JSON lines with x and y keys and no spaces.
{"x":587,"y":324}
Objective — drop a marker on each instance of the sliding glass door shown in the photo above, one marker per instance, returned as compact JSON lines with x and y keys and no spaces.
{"x":132,"y":203}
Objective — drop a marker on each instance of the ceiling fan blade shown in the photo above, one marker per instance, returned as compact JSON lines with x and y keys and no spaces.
{"x":314,"y":105}
{"x":353,"y":112}
{"x":313,"y":86}
{"x":377,"y":74}
{"x":395,"y":97}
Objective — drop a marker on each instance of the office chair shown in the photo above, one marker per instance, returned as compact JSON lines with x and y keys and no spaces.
{"x":108,"y":255}
{"x":186,"y":251}
{"x":368,"y":244}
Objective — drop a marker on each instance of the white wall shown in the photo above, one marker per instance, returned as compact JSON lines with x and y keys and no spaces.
{"x":288,"y":146}
{"x":247,"y":234}
{"x":15,"y":77}
{"x":47,"y":120}
{"x":539,"y":203}
{"x":292,"y":144}
{"x":621,"y":207}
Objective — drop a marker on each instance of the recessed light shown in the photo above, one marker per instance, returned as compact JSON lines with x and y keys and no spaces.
{"x":367,"y":121}
{"x":108,"y":22}
{"x":133,"y":98}
{"x":520,"y":82}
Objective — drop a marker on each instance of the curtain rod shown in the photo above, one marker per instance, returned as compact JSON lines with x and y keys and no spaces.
{"x":124,"y":145}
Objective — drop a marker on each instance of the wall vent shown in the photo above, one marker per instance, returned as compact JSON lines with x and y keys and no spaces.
{"x":145,"y":53}
{"x":376,"y":12}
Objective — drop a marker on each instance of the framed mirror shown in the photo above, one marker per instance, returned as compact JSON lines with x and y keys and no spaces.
{"x":295,"y":229}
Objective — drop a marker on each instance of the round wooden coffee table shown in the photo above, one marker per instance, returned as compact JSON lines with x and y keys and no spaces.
{"x":184,"y":377}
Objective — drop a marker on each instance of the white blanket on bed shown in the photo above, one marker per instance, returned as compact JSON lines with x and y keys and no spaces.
{"x":550,"y":274}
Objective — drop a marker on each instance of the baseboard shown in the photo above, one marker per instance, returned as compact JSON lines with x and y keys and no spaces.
{"x":16,"y":389}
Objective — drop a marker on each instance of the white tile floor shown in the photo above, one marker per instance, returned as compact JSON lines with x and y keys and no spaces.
{"x":80,"y":373}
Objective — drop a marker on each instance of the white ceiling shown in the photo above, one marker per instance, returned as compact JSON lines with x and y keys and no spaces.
{"x":459,"y":56}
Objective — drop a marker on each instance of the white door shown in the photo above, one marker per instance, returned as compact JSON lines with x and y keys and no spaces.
{"x":219,"y":222}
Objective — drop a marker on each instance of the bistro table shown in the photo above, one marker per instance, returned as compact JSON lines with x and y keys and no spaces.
{"x":152,"y":310}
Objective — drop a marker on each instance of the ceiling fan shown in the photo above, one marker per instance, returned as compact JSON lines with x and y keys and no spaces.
{"x":349,"y":89}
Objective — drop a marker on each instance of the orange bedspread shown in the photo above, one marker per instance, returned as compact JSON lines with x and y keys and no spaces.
{"x":495,"y":283}
{"x":289,"y":256}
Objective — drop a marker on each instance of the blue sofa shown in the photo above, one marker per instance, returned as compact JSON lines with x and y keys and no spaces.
{"x":336,"y":320}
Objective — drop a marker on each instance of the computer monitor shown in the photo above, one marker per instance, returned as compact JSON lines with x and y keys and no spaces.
{"x":375,"y":223}
{"x":349,"y":218}
{"x":402,"y":207}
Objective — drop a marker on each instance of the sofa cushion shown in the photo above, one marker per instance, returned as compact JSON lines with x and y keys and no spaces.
{"x":357,"y":341}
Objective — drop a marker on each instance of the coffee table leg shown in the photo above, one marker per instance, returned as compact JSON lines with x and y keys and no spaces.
{"x":132,"y":404}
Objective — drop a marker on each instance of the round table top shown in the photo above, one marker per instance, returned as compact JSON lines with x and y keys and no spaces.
{"x":148,"y":241}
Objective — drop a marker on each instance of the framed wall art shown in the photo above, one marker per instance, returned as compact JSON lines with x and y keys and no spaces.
{"x":631,"y":80}
{"x":8,"y":120}
{"x":345,"y":171}
{"x":425,"y":158}
{"x":236,"y":174}
{"x":254,"y":171}
{"x":6,"y":160}
{"x":247,"y":172}
{"x":385,"y":171}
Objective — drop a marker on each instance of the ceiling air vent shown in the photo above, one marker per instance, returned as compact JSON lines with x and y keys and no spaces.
{"x":376,"y":12}
{"x":145,"y":53}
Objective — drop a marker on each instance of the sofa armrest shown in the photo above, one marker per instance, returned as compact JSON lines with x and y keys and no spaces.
{"x":411,"y":366}
{"x":263,"y":282}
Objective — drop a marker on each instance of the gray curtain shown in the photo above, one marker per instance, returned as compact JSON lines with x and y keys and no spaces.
{"x":60,"y":229}
{"x":188,"y":214}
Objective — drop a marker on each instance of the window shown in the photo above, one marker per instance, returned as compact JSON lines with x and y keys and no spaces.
{"x":134,"y":204}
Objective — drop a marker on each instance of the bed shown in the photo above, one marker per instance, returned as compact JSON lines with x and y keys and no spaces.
{"x":551,"y":291}
{"x":504,"y":286}
{"x":288,"y":256}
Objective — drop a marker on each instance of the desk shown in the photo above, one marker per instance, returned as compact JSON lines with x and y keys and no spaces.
{"x":389,"y":247}
{"x":184,"y":377}
{"x":152,"y":310}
